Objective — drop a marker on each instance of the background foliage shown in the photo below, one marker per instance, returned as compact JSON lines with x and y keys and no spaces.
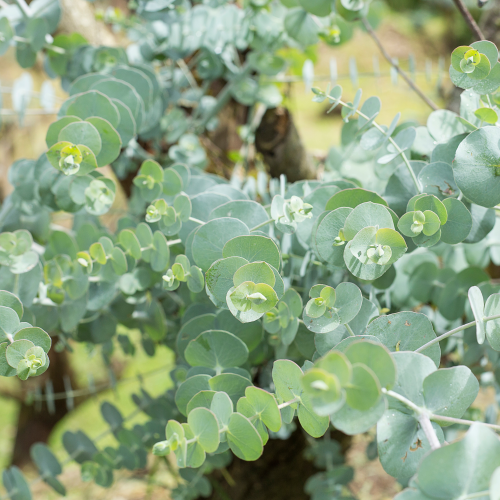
{"x":343,"y":303}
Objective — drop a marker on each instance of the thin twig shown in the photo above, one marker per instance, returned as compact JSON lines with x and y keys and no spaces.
{"x":469,"y":20}
{"x":391,"y":61}
{"x":429,"y":431}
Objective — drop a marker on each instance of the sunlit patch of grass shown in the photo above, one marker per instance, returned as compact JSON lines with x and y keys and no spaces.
{"x":320,"y":131}
{"x":87,"y":416}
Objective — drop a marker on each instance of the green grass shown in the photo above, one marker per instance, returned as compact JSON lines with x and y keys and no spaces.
{"x":319,"y":131}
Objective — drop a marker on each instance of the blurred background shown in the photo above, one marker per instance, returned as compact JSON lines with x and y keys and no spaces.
{"x":420,"y":34}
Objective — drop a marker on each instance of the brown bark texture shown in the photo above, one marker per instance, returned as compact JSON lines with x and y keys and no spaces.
{"x":278,"y":140}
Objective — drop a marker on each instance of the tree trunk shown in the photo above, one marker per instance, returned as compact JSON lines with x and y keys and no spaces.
{"x":278,"y":140}
{"x":279,"y":474}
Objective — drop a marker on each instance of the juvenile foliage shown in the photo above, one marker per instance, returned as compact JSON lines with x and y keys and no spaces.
{"x":272,"y":295}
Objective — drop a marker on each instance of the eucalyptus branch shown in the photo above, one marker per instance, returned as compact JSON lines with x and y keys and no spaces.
{"x":288,"y":403}
{"x":174,"y":242}
{"x":261,"y":225}
{"x":452,"y":332}
{"x":48,"y":46}
{"x":479,"y":494}
{"x":463,"y":422}
{"x":24,"y":8}
{"x":403,"y":400}
{"x":469,"y":19}
{"x":429,"y":431}
{"x":349,"y":330}
{"x":391,"y":140}
{"x":187,"y":73}
{"x":424,"y":417}
{"x":198,"y":221}
{"x":391,"y":61}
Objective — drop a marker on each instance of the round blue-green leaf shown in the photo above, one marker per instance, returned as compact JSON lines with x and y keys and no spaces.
{"x":190,"y":388}
{"x":249,"y":212}
{"x":364,"y":215}
{"x":202,"y":399}
{"x":256,"y":272}
{"x":437,"y":179}
{"x":94,"y":103}
{"x":351,"y":421}
{"x":476,"y":167}
{"x":205,"y":428}
{"x":127,"y":128}
{"x":84,"y":82}
{"x":192,"y":328}
{"x":443,"y":125}
{"x":266,"y":406}
{"x":55,"y":128}
{"x":8,"y":299}
{"x":45,"y":460}
{"x":209,"y":239}
{"x":15,"y":484}
{"x":319,"y":8}
{"x":5,"y":369}
{"x":433,"y":204}
{"x":374,"y":356}
{"x":450,"y":392}
{"x":243,"y":438}
{"x":216,"y":349}
{"x":300,"y":26}
{"x":219,"y":277}
{"x":329,"y":249}
{"x":111,"y":142}
{"x":232,"y":384}
{"x":348,"y":301}
{"x":287,"y":378}
{"x":402,"y":443}
{"x":253,"y":248}
{"x":35,"y":335}
{"x":364,"y":391}
{"x":470,"y":465}
{"x":405,"y":331}
{"x":314,"y":424}
{"x":17,"y":350}
{"x":124,"y":92}
{"x":324,"y":391}
{"x":82,"y":133}
{"x":459,"y":223}
{"x":352,"y":198}
{"x":160,"y":254}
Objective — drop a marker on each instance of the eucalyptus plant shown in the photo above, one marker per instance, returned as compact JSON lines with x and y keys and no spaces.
{"x":319,"y":301}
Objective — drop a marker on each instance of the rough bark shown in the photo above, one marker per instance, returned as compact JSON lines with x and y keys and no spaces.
{"x":278,"y":140}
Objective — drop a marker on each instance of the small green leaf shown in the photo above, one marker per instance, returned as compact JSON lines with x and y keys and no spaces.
{"x":243,"y":438}
{"x":205,"y":428}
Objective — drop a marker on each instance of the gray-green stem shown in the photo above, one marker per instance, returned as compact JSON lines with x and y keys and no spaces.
{"x":261,"y":225}
{"x":349,"y":330}
{"x":391,"y":140}
{"x":452,"y":332}
{"x":432,"y":416}
{"x":23,"y":7}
